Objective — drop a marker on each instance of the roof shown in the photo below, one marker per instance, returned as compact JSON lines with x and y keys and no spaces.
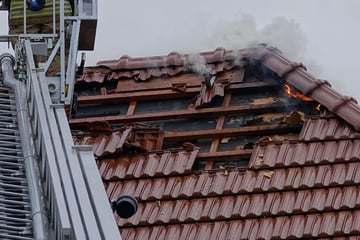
{"x":222,"y":144}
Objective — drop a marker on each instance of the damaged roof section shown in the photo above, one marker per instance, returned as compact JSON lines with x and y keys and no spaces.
{"x":222,"y":143}
{"x":224,"y":121}
{"x":165,"y":163}
{"x":223,"y":108}
{"x":135,"y":138}
{"x":268,"y":60}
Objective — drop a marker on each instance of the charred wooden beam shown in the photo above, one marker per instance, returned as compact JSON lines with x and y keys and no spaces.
{"x":185,"y":114}
{"x":224,"y":154}
{"x":167,"y":93}
{"x":143,"y":95}
{"x":231,"y":132}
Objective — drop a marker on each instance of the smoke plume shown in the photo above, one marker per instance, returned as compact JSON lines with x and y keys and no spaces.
{"x":281,"y":33}
{"x":197,"y":63}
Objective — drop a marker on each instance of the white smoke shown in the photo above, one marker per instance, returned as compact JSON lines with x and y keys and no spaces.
{"x":244,"y":32}
{"x":197,"y":63}
{"x":282,"y":33}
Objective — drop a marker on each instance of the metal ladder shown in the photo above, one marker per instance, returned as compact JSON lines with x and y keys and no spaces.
{"x":15,"y":208}
{"x":66,"y":196}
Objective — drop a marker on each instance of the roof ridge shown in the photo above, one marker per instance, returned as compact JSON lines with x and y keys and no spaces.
{"x":176,"y":59}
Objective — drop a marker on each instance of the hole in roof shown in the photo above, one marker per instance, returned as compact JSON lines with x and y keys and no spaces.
{"x":226,"y":129}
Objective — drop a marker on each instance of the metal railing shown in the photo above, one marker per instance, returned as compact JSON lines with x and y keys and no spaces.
{"x":71,"y":190}
{"x":65,"y":169}
{"x":38,"y":215}
{"x":78,"y":31}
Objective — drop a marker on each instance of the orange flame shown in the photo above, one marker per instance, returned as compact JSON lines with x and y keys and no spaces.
{"x":296,"y":94}
{"x":318,"y":107}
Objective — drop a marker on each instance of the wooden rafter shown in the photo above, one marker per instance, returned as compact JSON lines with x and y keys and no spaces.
{"x":184,"y":114}
{"x":164,"y":93}
{"x":230,"y":132}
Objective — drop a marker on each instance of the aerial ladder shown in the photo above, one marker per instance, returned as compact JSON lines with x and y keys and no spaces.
{"x":49,"y":188}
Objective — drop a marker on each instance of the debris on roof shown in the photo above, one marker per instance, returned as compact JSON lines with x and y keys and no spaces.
{"x":225,"y":144}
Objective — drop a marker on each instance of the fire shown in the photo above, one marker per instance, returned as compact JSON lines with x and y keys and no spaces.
{"x":318,"y":107}
{"x":296,"y":94}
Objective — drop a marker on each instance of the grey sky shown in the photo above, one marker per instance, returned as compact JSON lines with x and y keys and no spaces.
{"x":322,"y":34}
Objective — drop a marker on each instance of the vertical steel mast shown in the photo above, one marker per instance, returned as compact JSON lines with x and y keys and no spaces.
{"x":68,"y":200}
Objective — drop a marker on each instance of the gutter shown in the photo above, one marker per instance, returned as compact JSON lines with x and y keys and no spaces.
{"x":39,"y":216}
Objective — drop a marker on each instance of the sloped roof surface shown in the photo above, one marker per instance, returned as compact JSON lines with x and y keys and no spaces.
{"x":241,"y":158}
{"x":294,"y":73}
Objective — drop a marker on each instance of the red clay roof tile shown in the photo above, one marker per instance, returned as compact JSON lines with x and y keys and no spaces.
{"x":148,"y":165}
{"x":272,"y":204}
{"x":206,"y":95}
{"x":299,"y":187}
{"x":295,"y":178}
{"x":338,"y":225}
{"x":172,"y":59}
{"x":95,"y":74}
{"x":292,"y":154}
{"x":327,"y":129}
{"x":146,"y":139}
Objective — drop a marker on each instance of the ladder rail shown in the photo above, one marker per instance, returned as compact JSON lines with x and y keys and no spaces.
{"x":71,"y":185}
{"x":50,"y":170}
{"x":39,"y":218}
{"x":86,"y":217}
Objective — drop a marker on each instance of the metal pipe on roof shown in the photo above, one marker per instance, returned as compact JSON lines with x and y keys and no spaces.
{"x":39,"y":218}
